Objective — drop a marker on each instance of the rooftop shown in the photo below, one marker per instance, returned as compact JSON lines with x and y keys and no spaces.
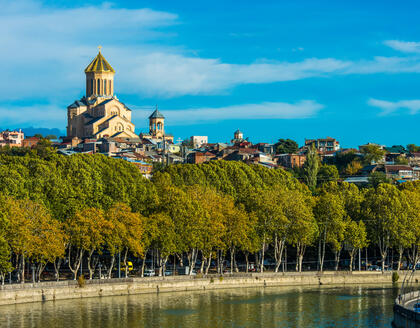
{"x":99,"y":65}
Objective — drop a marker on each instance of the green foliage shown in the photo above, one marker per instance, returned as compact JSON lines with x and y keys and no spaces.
{"x":395,"y":277}
{"x":412,"y":148}
{"x":372,"y":154}
{"x":311,"y":167}
{"x":286,"y":146}
{"x":327,"y":173}
{"x":376,"y":178}
{"x":402,"y":160}
{"x":353,"y":167}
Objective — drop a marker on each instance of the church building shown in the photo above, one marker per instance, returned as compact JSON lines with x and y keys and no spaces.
{"x":157,"y":128}
{"x":99,"y":113}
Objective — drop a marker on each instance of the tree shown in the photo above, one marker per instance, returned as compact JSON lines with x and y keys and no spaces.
{"x":383,"y":209}
{"x":402,"y":160}
{"x":311,"y":167}
{"x":303,"y":230}
{"x":272,"y":223}
{"x":410,"y":228}
{"x":327,"y":173}
{"x":372,"y":154}
{"x":5,"y":264}
{"x":376,"y":178}
{"x":286,"y":146}
{"x":355,"y":238}
{"x":164,"y":240}
{"x":86,"y":231}
{"x":329,"y":213}
{"x":412,"y":148}
{"x":124,"y":233}
{"x":353,"y":167}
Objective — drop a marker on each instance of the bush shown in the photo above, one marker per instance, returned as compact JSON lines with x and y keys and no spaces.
{"x":395,"y":277}
{"x":211,"y":280}
{"x":81,"y":281}
{"x":220,"y":278}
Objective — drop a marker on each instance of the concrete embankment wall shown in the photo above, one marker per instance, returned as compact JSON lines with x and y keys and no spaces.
{"x":49,"y":291}
{"x":404,"y":316}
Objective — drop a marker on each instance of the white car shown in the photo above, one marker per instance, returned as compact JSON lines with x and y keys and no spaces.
{"x":149,"y":273}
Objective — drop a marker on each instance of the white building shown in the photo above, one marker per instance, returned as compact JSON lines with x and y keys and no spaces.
{"x":198,"y":141}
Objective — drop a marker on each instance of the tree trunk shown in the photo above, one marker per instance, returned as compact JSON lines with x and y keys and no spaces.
{"x":203,"y":261}
{"x":400,"y":254}
{"x":262,"y":258}
{"x":297,"y":257}
{"x":111,"y":266}
{"x":23,"y":270}
{"x":40,"y":269}
{"x":90,"y":266}
{"x":57,"y":265}
{"x":337,"y":258}
{"x":278,"y":252}
{"x":125,"y":262}
{"x":232,"y":252}
{"x":351,"y":253}
{"x":74,"y":269}
{"x":323,"y":242}
{"x":247,"y":261}
{"x":208,"y":264}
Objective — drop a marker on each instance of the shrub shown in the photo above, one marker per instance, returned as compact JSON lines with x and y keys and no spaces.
{"x":395,"y":277}
{"x":81,"y":281}
{"x":220,"y":278}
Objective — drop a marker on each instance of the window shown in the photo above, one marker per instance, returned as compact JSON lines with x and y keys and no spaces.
{"x":91,"y":87}
{"x":99,"y":87}
{"x":110,"y":87}
{"x":105,"y":86}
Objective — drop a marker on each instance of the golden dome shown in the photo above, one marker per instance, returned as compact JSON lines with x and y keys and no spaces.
{"x":99,"y":65}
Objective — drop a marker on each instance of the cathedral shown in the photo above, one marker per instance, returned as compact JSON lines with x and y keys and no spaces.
{"x":99,"y":114}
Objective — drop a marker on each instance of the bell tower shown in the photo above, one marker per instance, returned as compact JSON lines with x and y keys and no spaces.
{"x":99,"y":77}
{"x":157,"y":124}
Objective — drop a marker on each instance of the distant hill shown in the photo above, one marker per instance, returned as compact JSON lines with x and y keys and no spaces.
{"x":44,"y":131}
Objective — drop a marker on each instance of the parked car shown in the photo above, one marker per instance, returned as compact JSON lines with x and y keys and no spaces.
{"x":374,"y":268}
{"x":168,"y":273}
{"x":149,"y":273}
{"x":417,"y":307}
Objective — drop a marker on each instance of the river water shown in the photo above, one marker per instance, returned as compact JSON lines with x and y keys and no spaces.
{"x":325,"y":306}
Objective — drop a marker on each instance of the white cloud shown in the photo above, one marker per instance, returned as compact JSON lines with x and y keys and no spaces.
{"x":403,"y":46}
{"x":48,"y":116}
{"x":389,"y":107}
{"x":265,"y":110}
{"x":52,"y":116}
{"x":44,"y":52}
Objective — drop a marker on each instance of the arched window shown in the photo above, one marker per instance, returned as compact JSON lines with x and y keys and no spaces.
{"x":99,"y":87}
{"x":91,"y":87}
{"x":110,"y":87}
{"x":105,"y":87}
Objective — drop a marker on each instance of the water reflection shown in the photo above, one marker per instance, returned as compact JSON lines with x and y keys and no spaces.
{"x":247,"y":307}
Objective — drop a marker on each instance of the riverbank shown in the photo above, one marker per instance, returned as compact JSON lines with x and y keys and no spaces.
{"x":50,"y":291}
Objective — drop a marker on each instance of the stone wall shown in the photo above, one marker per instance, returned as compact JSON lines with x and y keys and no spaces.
{"x":48,"y":291}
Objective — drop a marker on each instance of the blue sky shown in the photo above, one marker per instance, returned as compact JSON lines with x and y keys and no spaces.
{"x":274,"y":69}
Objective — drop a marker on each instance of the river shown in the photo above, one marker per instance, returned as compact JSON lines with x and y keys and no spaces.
{"x":325,"y":306}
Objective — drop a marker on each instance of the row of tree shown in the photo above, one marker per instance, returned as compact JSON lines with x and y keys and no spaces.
{"x":59,"y":209}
